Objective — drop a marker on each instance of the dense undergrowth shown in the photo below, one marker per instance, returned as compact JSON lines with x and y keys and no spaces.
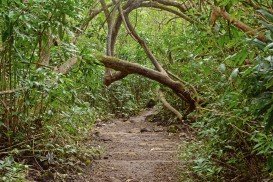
{"x":46,"y":116}
{"x":234,"y":123}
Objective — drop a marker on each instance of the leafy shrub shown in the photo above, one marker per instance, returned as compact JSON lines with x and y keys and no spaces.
{"x":11,"y":170}
{"x":236,"y":123}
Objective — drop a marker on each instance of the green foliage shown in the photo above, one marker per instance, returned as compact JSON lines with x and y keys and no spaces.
{"x":11,"y":170}
{"x":48,"y":115}
{"x":259,"y":88}
{"x":235,"y":122}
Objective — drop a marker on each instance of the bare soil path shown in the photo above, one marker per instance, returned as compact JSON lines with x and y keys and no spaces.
{"x":135,"y":151}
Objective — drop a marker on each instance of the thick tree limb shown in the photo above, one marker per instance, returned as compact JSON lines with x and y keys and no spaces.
{"x":123,"y":70}
{"x":110,"y":76}
{"x":109,"y":51}
{"x":193,"y":90}
{"x":124,"y":17}
{"x":133,"y":68}
{"x":109,"y":18}
{"x":128,"y":8}
{"x":109,"y":79}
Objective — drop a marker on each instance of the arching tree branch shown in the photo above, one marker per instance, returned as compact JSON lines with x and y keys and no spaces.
{"x":123,"y":16}
{"x":134,"y":68}
{"x":183,"y":7}
{"x":144,"y":46}
{"x":166,"y":8}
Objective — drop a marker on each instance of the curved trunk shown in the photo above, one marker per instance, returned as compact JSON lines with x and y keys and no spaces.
{"x":127,"y":68}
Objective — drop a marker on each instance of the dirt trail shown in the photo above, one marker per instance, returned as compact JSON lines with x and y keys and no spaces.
{"x":135,"y":151}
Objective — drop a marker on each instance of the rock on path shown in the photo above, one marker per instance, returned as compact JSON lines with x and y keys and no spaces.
{"x":135,"y":151}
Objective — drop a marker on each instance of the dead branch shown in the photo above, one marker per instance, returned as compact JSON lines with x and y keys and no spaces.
{"x":109,"y":79}
{"x":66,"y":66}
{"x":196,"y":95}
{"x":169,"y":106}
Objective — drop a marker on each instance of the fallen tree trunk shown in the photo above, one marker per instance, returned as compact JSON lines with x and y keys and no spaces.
{"x":133,"y":68}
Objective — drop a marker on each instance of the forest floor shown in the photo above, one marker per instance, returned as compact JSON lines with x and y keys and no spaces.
{"x":135,"y":150}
